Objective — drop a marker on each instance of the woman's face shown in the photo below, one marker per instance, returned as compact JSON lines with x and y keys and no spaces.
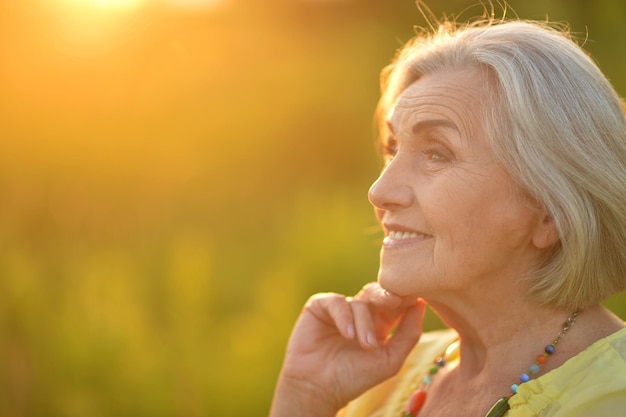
{"x":453,"y":218}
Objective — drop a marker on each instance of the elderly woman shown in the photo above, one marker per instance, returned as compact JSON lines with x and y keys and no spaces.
{"x":503,"y":204}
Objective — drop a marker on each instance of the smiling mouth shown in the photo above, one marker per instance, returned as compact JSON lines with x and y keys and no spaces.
{"x":393,"y":235}
{"x":396,"y":236}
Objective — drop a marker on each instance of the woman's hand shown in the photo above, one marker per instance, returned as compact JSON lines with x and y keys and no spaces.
{"x":340,"y":347}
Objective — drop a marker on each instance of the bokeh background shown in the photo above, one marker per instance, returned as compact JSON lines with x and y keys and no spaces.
{"x":177,"y":177}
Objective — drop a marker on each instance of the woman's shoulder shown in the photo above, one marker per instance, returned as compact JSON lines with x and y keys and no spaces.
{"x":591,"y":383}
{"x":603,"y":357}
{"x":617,"y":341}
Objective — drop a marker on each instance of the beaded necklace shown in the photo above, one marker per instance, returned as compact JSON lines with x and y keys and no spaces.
{"x":501,"y":406}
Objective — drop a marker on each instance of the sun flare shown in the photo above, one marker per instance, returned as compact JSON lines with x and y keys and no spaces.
{"x":117,"y":4}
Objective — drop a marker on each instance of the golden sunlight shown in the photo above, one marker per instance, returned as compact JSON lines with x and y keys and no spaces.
{"x":118,"y":5}
{"x":194,"y":4}
{"x":127,"y":5}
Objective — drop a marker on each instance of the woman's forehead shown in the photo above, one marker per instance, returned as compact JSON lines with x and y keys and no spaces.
{"x":455,"y":96}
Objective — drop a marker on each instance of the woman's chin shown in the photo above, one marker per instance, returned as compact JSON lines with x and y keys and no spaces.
{"x":396,"y":287}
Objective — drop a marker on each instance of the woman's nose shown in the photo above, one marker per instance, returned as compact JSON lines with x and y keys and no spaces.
{"x":391,"y":190}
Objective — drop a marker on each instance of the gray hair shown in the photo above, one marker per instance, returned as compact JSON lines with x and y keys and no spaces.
{"x":558,"y":127}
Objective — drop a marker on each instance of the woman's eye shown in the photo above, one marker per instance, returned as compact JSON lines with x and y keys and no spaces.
{"x":434,"y":155}
{"x":390,"y":149}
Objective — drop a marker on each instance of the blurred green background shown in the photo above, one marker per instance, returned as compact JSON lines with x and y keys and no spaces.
{"x":177,"y":177}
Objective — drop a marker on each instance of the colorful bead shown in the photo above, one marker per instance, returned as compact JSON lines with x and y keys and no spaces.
{"x":427,"y":380}
{"x":514,"y":388}
{"x":433,"y":370}
{"x":549,"y":349}
{"x":541,"y":359}
{"x":524,"y":377}
{"x":534,"y":368}
{"x":415,"y":403}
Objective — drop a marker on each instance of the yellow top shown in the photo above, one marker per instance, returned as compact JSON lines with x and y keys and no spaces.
{"x":592,"y":383}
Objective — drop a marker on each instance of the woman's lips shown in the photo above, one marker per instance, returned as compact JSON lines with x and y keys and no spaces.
{"x":401,"y":237}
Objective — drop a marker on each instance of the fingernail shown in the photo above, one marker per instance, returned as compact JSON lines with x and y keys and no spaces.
{"x":350,"y":331}
{"x":371,"y":340}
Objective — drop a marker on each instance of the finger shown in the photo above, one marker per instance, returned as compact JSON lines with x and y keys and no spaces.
{"x":408,"y":301}
{"x":407,"y":334}
{"x":363,"y":323}
{"x":333,"y":309}
{"x":386,"y":308}
{"x":374,"y":294}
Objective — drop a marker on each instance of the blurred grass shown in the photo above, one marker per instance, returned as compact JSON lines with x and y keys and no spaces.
{"x":174,"y":185}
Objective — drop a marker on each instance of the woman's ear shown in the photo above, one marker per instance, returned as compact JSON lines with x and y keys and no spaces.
{"x":546,"y":233}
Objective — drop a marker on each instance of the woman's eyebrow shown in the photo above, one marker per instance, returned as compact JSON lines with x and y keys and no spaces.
{"x":425,"y":124}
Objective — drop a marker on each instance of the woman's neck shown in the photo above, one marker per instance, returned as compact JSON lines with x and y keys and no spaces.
{"x":501,"y":340}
